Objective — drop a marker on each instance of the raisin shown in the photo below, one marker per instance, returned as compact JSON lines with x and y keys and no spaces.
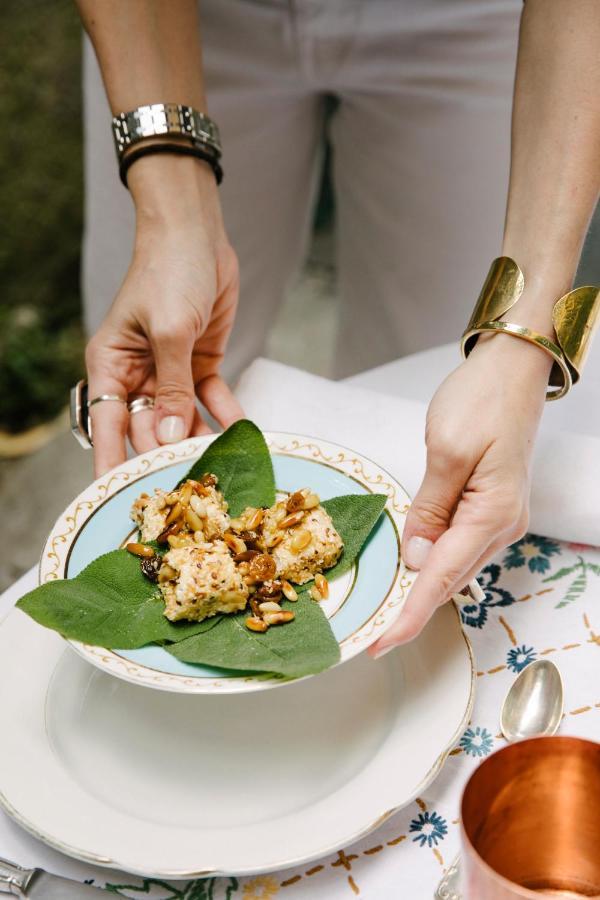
{"x":150,"y":567}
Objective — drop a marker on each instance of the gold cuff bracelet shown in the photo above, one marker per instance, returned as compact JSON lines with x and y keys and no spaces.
{"x":574,"y":317}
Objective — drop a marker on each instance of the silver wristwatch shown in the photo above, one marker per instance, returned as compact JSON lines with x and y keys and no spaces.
{"x":162,"y":119}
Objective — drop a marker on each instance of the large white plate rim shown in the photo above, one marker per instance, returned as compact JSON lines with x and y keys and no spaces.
{"x":56,"y":552}
{"x":276,"y":864}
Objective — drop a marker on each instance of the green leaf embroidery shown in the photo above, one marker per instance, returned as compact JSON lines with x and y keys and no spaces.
{"x":109,"y":604}
{"x":241,"y":460}
{"x":560,"y":574}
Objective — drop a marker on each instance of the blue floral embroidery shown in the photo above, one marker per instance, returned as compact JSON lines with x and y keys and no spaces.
{"x":475,"y":614}
{"x":476,"y":742}
{"x":519,"y":657}
{"x":533,"y":550}
{"x":431,"y":828}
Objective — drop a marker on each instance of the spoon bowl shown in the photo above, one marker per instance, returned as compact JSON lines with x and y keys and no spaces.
{"x":533,"y":705}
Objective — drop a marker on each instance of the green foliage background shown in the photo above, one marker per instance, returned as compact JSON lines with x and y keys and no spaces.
{"x":40,"y":208}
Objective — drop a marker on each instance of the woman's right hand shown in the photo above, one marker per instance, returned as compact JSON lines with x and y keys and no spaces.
{"x":166,"y":332}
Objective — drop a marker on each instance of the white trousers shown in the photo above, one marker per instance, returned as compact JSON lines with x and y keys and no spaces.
{"x":420,"y":141}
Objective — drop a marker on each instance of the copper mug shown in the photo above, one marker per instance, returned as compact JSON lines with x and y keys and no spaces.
{"x":530,"y":822}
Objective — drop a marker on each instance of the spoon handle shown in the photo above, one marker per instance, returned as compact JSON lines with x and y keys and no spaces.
{"x":449,"y":886}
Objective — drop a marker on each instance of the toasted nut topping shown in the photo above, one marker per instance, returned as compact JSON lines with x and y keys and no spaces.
{"x":271,"y":589}
{"x":295,"y":502}
{"x":315,"y":593}
{"x":172,"y":529}
{"x":234,"y":543}
{"x":279,"y":618}
{"x":186,"y":493}
{"x":172,"y":498}
{"x":192,"y":520}
{"x":209,"y":480}
{"x":288,"y":591}
{"x":175,"y":513}
{"x":291,"y":520}
{"x":262,"y":567}
{"x":256,"y":624}
{"x":301,"y":539}
{"x":246,"y":556}
{"x":177,"y":540}
{"x":166,"y":573}
{"x":254,"y":519}
{"x":236,"y":525}
{"x":311,"y":501}
{"x":140,"y":550}
{"x":269,"y":606}
{"x":322,"y":585}
{"x":275,"y":540}
{"x":198,"y":505}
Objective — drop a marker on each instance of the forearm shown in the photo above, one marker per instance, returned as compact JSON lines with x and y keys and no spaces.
{"x":149,"y":52}
{"x":555,"y":164}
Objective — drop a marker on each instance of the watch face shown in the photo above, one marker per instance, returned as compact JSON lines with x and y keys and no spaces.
{"x":81,"y":425}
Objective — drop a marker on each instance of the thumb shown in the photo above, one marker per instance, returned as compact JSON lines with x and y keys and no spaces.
{"x":175,"y":401}
{"x":432,"y":509}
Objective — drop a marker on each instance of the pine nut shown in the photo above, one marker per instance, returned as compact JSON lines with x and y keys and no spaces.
{"x":315,"y":593}
{"x":166,"y":573}
{"x":275,"y":541}
{"x":289,"y":592}
{"x":256,"y":624}
{"x":301,"y":540}
{"x":255,"y":519}
{"x":175,"y":513}
{"x":311,"y":501}
{"x":186,"y":493}
{"x":236,"y":525}
{"x":322,"y":585}
{"x":198,"y":505}
{"x":176,"y":540}
{"x":291,"y":520}
{"x":140,"y":550}
{"x":172,"y":498}
{"x":192,"y":520}
{"x":279,"y":618}
{"x":234,"y":543}
{"x":268,"y":606}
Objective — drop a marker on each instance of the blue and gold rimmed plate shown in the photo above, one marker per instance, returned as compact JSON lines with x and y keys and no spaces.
{"x":362,"y":603}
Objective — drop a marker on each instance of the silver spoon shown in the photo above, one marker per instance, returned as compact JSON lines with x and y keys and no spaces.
{"x":532,"y":707}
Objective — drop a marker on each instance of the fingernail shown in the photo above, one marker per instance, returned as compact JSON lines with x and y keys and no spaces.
{"x":417,"y":551}
{"x":171,"y":429}
{"x":381,"y":651}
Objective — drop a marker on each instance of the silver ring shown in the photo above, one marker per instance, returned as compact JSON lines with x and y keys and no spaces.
{"x":140,"y":404}
{"x":102,"y":397}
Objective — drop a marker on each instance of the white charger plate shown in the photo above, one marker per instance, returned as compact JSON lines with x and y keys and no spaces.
{"x":362,"y":603}
{"x":176,"y":786}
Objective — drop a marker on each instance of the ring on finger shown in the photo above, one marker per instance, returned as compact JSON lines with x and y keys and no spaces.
{"x":140,"y":404}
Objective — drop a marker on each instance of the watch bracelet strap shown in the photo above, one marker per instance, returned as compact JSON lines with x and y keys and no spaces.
{"x":160,"y":119}
{"x":175,"y":148}
{"x":574,"y":317}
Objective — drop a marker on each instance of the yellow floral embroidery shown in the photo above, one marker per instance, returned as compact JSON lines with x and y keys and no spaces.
{"x":261,"y":888}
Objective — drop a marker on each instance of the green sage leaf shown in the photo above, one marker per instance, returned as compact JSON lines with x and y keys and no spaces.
{"x":109,"y":604}
{"x":241,"y":460}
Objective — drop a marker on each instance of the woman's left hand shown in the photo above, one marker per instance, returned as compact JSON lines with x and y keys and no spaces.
{"x":474,"y":498}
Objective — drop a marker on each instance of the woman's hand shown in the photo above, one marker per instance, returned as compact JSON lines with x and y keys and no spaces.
{"x":473,"y":500}
{"x":166,"y":332}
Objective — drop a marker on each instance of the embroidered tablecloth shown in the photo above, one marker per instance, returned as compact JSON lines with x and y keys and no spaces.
{"x":540,"y":601}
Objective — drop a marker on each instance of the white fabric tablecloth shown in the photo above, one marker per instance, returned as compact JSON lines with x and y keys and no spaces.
{"x":540,"y":601}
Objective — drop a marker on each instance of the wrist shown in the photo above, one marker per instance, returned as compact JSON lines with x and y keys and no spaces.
{"x":172,"y":191}
{"x":514,"y":357}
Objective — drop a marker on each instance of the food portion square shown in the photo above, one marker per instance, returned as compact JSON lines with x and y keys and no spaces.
{"x":204,"y":581}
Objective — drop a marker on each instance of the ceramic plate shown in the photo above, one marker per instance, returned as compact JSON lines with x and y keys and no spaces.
{"x":175,"y":786}
{"x":362,"y":603}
